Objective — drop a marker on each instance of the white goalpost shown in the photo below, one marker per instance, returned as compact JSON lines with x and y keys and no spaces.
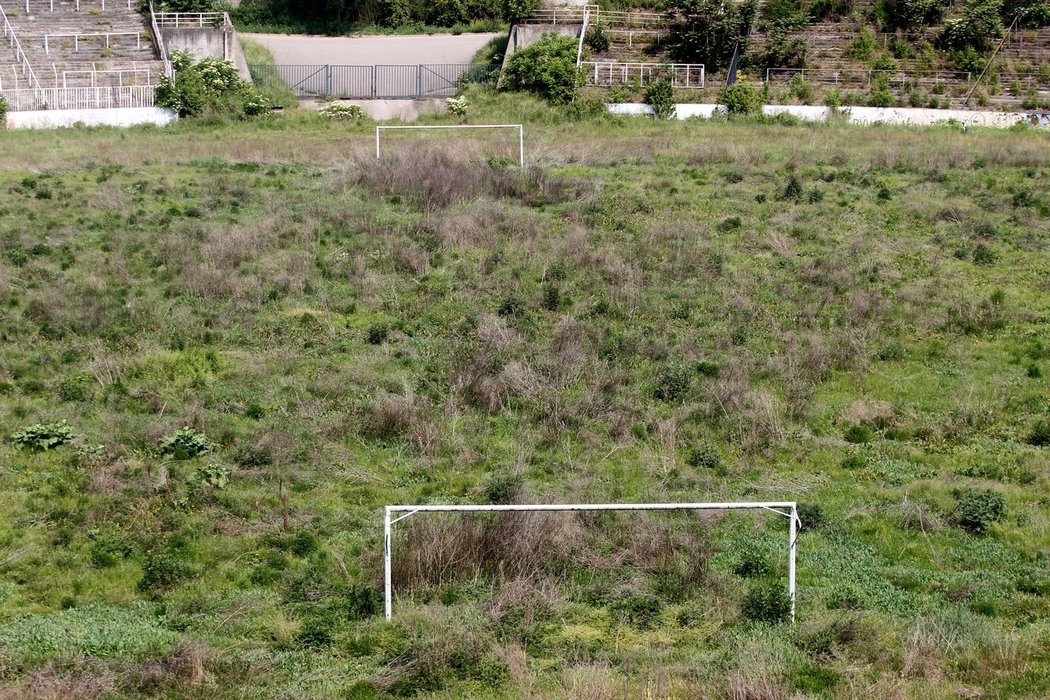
{"x":788,"y":509}
{"x":519,"y":127}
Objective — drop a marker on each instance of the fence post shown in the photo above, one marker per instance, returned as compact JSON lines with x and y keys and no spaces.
{"x":328,"y":79}
{"x":419,"y":80}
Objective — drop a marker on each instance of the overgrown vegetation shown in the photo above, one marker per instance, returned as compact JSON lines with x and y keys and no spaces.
{"x":208,"y":87}
{"x":546,"y":68}
{"x":238,"y":341}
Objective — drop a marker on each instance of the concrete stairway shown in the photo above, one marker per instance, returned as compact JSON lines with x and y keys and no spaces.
{"x":79,"y":44}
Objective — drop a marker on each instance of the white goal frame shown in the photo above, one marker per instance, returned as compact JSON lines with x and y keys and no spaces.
{"x":779,"y":507}
{"x":519,"y":127}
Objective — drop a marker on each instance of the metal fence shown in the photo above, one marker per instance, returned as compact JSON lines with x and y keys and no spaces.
{"x":373,"y":82}
{"x":863,"y":77}
{"x":608,"y":73}
{"x":80,"y":98}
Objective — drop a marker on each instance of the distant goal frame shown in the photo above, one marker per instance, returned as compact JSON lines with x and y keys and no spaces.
{"x":779,"y":507}
{"x":519,"y":127}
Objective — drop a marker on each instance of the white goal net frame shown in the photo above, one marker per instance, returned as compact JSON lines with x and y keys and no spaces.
{"x":788,"y":509}
{"x":519,"y":127}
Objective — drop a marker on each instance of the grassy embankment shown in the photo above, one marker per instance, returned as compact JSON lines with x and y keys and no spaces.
{"x":853,"y":318}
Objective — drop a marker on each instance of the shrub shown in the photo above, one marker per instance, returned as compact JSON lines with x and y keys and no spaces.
{"x":980,"y":24}
{"x":976,"y":509}
{"x":3,"y":110}
{"x":1040,"y":435}
{"x":862,"y":47}
{"x":214,"y":475}
{"x":519,"y":9}
{"x":161,"y":570}
{"x":597,"y":38}
{"x":639,"y":609}
{"x":753,"y":562}
{"x":811,"y":515}
{"x":211,"y":86}
{"x":673,"y":382}
{"x":377,"y":333}
{"x":547,"y":68}
{"x":660,"y":95}
{"x":793,"y":189}
{"x":740,"y":99}
{"x":708,"y":31}
{"x":108,"y":546}
{"x":704,"y":456}
{"x":766,"y":602}
{"x":457,"y":106}
{"x":44,"y":436}
{"x":859,"y":434}
{"x":338,"y":111}
{"x":185,"y":443}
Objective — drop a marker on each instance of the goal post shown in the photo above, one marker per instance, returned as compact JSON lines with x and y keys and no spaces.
{"x":519,"y":127}
{"x":788,"y":509}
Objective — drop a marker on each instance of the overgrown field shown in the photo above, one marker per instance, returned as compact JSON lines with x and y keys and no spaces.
{"x":226,"y":348}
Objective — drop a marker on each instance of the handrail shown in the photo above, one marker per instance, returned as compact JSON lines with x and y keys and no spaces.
{"x":158,"y":39}
{"x":682,"y":75}
{"x":191,"y":19}
{"x":20,"y":55}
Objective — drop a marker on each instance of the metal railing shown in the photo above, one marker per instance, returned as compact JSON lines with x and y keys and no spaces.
{"x":50,"y":4}
{"x":158,"y":41}
{"x":597,"y":15}
{"x":609,"y":73}
{"x":191,"y":20}
{"x":138,"y":76}
{"x":20,"y":55}
{"x":372,"y":82}
{"x":101,"y":35}
{"x":864,"y":78}
{"x":80,"y":98}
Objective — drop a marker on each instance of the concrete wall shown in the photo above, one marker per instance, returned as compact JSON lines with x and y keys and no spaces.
{"x":49,"y":119}
{"x":207,"y":42}
{"x":522,"y":35}
{"x":855,"y":115}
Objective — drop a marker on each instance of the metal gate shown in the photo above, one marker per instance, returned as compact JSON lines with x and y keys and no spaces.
{"x":410,"y":81}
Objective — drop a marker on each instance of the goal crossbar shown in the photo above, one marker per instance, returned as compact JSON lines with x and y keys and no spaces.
{"x":789,"y":509}
{"x":519,"y":127}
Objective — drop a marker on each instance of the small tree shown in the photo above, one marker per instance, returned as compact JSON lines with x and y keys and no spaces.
{"x":707,"y":31}
{"x":519,"y":9}
{"x":3,"y":110}
{"x":547,"y":68}
{"x":660,"y":96}
{"x":740,"y":99}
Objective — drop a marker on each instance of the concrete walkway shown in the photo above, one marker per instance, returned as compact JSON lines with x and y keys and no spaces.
{"x":292,"y":49}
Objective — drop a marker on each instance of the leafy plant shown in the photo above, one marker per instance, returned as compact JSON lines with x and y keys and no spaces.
{"x":673,"y":382}
{"x":660,"y":95}
{"x":457,"y":106}
{"x":214,"y":475}
{"x":740,"y":99}
{"x":976,"y":509}
{"x":708,"y":31}
{"x":337,"y":111}
{"x":766,"y":602}
{"x":211,"y":86}
{"x":547,"y":68}
{"x":185,"y":443}
{"x":44,"y":436}
{"x":597,"y":38}
{"x":1040,"y":433}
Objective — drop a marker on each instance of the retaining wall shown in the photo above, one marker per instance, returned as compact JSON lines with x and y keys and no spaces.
{"x":52,"y":118}
{"x":858,"y":115}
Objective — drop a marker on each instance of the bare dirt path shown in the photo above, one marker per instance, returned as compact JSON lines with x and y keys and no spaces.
{"x":294,"y":49}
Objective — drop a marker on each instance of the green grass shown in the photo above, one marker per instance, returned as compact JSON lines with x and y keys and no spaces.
{"x":640,"y":315}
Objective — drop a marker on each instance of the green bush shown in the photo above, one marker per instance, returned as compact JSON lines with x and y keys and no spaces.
{"x":1040,"y":433}
{"x":752,"y":562}
{"x":708,"y":31}
{"x":704,"y":456}
{"x":976,"y":509}
{"x":660,"y":95}
{"x":766,"y":602}
{"x":859,"y":434}
{"x":338,"y":111}
{"x":44,"y":436}
{"x":162,"y":569}
{"x":185,"y":443}
{"x":673,"y":382}
{"x":597,"y":38}
{"x":3,"y":110}
{"x":740,"y":99}
{"x":979,"y":26}
{"x":519,"y":9}
{"x":211,"y":86}
{"x":639,"y":609}
{"x":547,"y":68}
